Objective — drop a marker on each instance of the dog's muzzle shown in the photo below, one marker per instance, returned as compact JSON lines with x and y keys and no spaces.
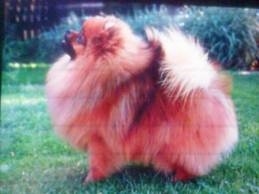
{"x":66,"y":44}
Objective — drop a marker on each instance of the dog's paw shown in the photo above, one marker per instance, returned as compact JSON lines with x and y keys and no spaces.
{"x":182,"y":175}
{"x":92,"y":176}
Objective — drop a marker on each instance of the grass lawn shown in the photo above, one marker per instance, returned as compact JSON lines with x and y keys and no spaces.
{"x":34,"y":160}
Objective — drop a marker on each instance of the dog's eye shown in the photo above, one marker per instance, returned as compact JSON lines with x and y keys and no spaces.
{"x":81,"y":39}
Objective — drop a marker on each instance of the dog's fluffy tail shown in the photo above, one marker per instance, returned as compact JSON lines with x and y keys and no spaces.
{"x":185,"y":66}
{"x":206,"y":127}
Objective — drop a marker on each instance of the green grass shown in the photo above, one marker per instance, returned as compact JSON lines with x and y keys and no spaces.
{"x":25,"y":74}
{"x":34,"y":160}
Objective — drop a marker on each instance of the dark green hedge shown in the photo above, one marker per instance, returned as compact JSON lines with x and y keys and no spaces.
{"x":228,"y":34}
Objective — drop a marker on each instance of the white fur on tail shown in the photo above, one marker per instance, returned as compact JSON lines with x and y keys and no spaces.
{"x":185,"y":65}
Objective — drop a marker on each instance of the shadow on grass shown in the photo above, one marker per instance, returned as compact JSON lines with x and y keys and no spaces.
{"x":137,"y":173}
{"x":127,"y":177}
{"x":134,"y":174}
{"x":130,"y":179}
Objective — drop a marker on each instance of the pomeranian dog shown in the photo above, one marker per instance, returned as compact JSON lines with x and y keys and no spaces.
{"x":124,"y":100}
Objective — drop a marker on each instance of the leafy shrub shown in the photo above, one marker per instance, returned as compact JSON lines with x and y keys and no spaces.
{"x":14,"y":49}
{"x":227,"y":33}
{"x":44,"y":48}
{"x":49,"y":47}
{"x":156,"y":16}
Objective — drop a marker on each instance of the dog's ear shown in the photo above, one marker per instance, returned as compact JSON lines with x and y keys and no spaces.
{"x":109,"y":28}
{"x":109,"y":25}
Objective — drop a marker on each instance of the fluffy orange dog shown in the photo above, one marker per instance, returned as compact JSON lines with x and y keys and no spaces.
{"x":124,"y":100}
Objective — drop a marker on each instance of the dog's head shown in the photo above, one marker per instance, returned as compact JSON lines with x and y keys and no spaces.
{"x":99,"y":35}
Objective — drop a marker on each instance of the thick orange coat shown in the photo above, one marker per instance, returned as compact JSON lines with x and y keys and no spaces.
{"x":121,"y":100}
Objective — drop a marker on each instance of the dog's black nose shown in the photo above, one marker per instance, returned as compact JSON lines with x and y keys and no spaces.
{"x":66,"y":44}
{"x":67,"y":35}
